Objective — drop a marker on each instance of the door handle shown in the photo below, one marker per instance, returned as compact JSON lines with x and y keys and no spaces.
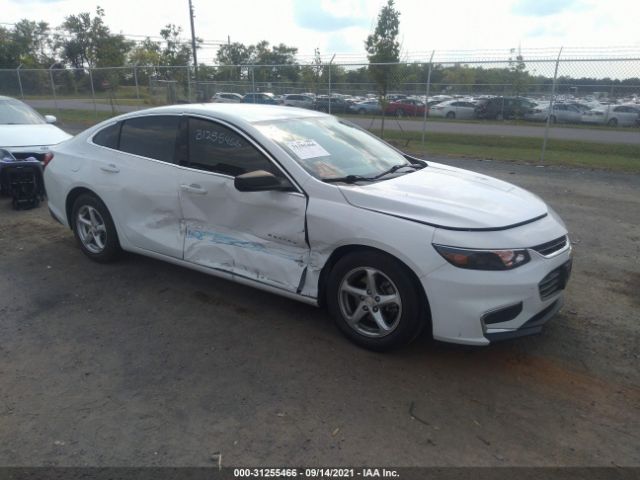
{"x":194,"y":188}
{"x":111,"y":168}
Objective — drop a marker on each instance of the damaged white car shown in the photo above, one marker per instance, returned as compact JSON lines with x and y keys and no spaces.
{"x":308,"y":206}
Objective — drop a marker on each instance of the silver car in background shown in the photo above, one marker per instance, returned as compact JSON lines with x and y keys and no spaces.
{"x":297,"y":100}
{"x":562,"y":112}
{"x":614,"y":116}
{"x":366,"y":107}
{"x":452,"y":109}
{"x":223,"y":97}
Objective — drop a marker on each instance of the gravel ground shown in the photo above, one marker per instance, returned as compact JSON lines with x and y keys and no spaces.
{"x":145,"y":363}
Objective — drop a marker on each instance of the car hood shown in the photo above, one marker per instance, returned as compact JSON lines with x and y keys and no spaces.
{"x":449,"y":197}
{"x":31,"y":135}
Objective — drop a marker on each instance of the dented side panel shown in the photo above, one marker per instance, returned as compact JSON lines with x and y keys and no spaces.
{"x":147,"y":212}
{"x":255,"y":235}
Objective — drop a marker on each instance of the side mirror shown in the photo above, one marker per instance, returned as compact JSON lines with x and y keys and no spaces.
{"x":50,"y":119}
{"x":260,"y":181}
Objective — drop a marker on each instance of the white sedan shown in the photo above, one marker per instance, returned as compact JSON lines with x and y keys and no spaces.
{"x":25,"y":133}
{"x":452,"y":109}
{"x":308,"y":206}
{"x":613,"y":115}
{"x":223,"y":97}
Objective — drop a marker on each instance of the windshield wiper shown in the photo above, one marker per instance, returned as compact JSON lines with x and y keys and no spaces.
{"x":358,"y":178}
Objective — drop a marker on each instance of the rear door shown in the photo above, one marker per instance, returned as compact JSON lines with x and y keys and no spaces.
{"x":137,"y":180}
{"x":256,"y":235}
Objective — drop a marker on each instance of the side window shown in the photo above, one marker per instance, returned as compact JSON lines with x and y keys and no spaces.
{"x":152,"y":136}
{"x":216,"y":148}
{"x":108,"y":137}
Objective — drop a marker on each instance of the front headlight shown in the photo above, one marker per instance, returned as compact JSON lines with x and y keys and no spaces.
{"x":483,"y":259}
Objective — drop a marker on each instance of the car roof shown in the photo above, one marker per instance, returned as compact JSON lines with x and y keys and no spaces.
{"x":235,"y":113}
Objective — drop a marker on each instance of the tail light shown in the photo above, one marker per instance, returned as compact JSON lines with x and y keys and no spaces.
{"x":46,"y":159}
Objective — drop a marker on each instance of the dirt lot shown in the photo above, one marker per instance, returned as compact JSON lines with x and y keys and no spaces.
{"x":144,"y":363}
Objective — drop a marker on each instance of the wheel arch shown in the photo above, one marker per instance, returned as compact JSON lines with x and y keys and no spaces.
{"x":345,"y":250}
{"x":73,"y":194}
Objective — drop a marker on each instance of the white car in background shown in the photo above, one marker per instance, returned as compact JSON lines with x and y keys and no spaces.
{"x":316,"y":209}
{"x":298,"y":100}
{"x":226,"y":98}
{"x":25,"y":133}
{"x":452,"y":109}
{"x":613,"y":115}
{"x":562,"y":112}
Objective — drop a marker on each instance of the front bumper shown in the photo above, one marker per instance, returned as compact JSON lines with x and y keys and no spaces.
{"x":461,"y":300}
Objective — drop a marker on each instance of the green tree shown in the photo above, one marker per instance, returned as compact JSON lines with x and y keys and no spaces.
{"x":311,"y":74}
{"x":519,"y":75}
{"x":175,"y":51}
{"x":382,"y":48}
{"x":86,"y":41}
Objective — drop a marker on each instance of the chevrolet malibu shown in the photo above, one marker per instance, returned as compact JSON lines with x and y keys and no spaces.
{"x":313,"y":208}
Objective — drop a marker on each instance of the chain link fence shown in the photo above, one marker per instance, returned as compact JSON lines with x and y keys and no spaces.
{"x":500,"y":93}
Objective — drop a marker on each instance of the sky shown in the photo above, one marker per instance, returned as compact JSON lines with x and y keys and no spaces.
{"x":341,"y":26}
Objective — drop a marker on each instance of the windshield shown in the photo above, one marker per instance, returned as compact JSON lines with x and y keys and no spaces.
{"x":329,"y":148}
{"x":13,"y":112}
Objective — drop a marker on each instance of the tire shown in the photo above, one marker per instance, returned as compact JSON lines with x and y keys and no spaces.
{"x":553,"y":119}
{"x":451,"y":115}
{"x":404,"y":315}
{"x":362,"y":111}
{"x":399,"y":113}
{"x":99,"y":240}
{"x":613,"y":122}
{"x":500,"y":117}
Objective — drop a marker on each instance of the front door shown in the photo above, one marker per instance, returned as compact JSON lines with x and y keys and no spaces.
{"x":254,"y":235}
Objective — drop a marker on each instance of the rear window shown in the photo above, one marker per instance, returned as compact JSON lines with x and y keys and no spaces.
{"x":151,"y":137}
{"x":108,"y":137}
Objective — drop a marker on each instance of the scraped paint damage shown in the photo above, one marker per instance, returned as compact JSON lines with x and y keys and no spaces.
{"x":259,"y":259}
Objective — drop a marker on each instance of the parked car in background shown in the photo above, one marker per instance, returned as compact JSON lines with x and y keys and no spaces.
{"x":298,"y":100}
{"x":562,"y":112}
{"x":396,"y":97}
{"x":260,"y":97}
{"x":369,"y":107}
{"x":502,"y":108}
{"x":614,"y":116}
{"x":25,"y":133}
{"x":338,"y":104}
{"x":226,"y":98}
{"x":307,"y":206}
{"x":462,"y":109}
{"x":407,"y":107}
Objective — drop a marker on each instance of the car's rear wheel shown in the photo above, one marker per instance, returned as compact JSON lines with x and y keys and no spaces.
{"x":553,"y":119}
{"x":362,"y":111}
{"x":613,"y":122}
{"x":451,"y":115}
{"x":94,"y":229}
{"x":375,"y":300}
{"x":399,"y":113}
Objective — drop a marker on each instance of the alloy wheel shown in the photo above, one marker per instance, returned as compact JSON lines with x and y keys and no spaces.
{"x":91,"y":229}
{"x":370,"y":302}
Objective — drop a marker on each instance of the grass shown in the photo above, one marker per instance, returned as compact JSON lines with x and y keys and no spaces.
{"x":84,"y":118}
{"x":620,"y":157}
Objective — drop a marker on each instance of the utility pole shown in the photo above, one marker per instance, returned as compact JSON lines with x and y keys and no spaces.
{"x":193,"y":42}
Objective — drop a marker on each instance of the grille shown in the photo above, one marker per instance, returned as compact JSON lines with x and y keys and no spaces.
{"x":555,"y":281}
{"x":551,"y":247}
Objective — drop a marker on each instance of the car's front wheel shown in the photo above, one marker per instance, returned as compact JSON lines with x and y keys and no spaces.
{"x":94,"y":229}
{"x":375,"y":300}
